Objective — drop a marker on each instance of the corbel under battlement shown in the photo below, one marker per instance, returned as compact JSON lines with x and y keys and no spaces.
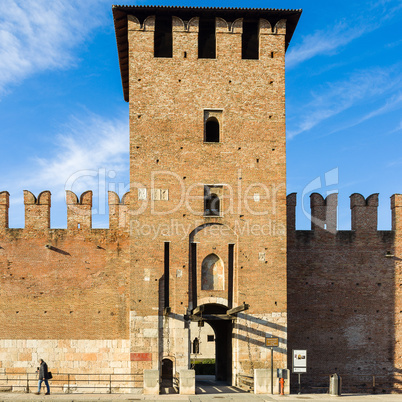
{"x":221,"y":25}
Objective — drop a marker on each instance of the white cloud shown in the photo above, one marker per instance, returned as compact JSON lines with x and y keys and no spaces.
{"x":336,"y":36}
{"x":397,"y":129}
{"x":361,"y":87}
{"x":82,"y":150}
{"x":323,"y":42}
{"x":38,"y":35}
{"x":79,"y":156}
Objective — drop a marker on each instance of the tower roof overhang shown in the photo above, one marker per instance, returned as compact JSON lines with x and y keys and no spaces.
{"x":120,"y":14}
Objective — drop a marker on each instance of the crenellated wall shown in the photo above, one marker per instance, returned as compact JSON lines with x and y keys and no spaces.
{"x":64,"y":293}
{"x":344,"y":301}
{"x":37,"y":210}
{"x":4,"y":206}
{"x":79,"y":211}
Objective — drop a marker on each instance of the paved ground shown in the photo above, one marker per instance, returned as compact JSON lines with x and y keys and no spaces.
{"x":207,"y":390}
{"x":219,"y":396}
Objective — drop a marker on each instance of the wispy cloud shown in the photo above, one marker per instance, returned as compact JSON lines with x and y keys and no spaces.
{"x":331,"y":40}
{"x":39,"y":35}
{"x":323,"y":42}
{"x":395,"y":102}
{"x":83,"y":149}
{"x":397,"y":129}
{"x":336,"y":97}
{"x":80,"y":152}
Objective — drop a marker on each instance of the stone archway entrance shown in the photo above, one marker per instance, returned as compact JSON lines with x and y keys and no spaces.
{"x":215,"y":316}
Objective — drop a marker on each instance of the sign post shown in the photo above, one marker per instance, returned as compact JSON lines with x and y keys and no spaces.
{"x":299,"y":358}
{"x":272,"y":342}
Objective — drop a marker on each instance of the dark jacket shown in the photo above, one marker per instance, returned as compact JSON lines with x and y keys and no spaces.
{"x":43,"y":371}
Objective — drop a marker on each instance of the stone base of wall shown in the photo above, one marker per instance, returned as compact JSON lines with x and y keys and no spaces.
{"x":249,"y":350}
{"x":92,"y":366}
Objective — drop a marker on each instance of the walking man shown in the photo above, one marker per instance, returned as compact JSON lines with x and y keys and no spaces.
{"x":43,"y":377}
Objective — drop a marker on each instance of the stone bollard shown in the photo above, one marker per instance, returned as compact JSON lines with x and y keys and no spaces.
{"x":187,"y":382}
{"x":262,"y":381}
{"x":151,"y":382}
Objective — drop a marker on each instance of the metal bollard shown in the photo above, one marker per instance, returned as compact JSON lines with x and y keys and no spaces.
{"x":335,"y":385}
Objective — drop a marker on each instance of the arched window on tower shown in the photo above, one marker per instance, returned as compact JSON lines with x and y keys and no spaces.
{"x":212,"y":273}
{"x":212,"y":130}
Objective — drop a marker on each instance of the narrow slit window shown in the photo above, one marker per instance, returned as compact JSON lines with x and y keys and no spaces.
{"x":206,"y":39}
{"x":212,"y":130}
{"x":163,"y":39}
{"x":250,"y":40}
{"x":166,"y":273}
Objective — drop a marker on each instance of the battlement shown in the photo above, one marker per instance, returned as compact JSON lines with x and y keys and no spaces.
{"x":189,"y":34}
{"x":37,"y":210}
{"x":4,"y":206}
{"x":213,"y":38}
{"x":119,"y":211}
{"x":79,"y":210}
{"x":364,"y":217}
{"x":221,"y":25}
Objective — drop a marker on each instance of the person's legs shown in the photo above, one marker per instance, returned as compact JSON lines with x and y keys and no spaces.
{"x":47,"y":386}
{"x":39,"y":385}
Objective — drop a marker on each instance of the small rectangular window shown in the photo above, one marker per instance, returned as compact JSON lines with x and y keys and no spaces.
{"x":206,"y":39}
{"x":213,"y":200}
{"x":210,"y":338}
{"x":250,"y":40}
{"x":163,"y":39}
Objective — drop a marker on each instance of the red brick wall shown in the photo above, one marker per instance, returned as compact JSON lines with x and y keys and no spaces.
{"x":63,"y":284}
{"x":342,"y":301}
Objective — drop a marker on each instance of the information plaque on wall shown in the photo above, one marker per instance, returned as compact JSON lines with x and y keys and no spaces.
{"x":299,"y":361}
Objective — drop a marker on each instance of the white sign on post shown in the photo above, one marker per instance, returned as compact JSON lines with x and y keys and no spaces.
{"x":299,"y":361}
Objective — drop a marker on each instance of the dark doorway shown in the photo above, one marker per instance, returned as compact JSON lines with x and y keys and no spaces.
{"x":223,"y":340}
{"x":167,"y":372}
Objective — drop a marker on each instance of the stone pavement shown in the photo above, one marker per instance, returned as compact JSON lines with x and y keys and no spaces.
{"x":236,"y":397}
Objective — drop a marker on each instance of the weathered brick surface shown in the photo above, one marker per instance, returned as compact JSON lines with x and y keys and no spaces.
{"x":168,"y":97}
{"x":343,"y":302}
{"x":63,"y":285}
{"x":92,"y":299}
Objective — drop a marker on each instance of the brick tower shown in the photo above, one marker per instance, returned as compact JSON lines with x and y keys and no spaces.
{"x":206,"y":89}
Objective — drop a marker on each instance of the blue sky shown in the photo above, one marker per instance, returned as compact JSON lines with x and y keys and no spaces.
{"x":63,"y":120}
